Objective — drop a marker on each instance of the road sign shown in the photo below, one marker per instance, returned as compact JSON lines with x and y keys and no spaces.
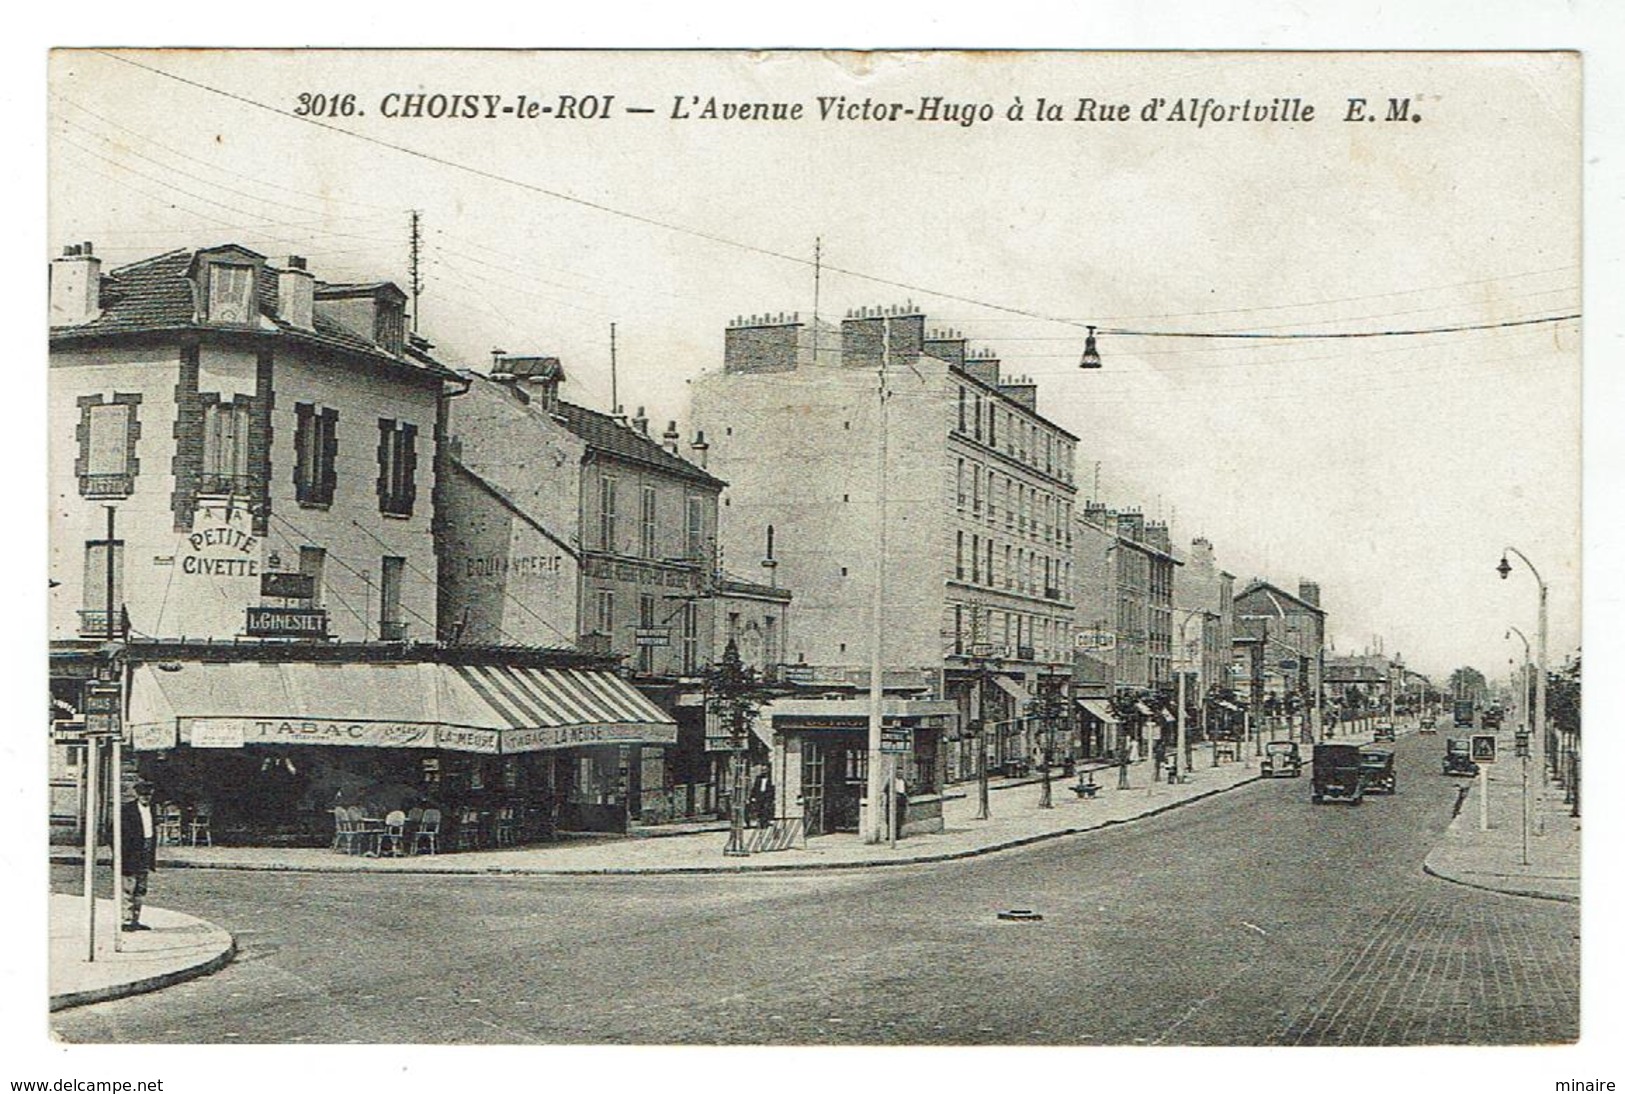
{"x":1483,"y":748}
{"x":897,"y":740}
{"x":653,"y":636}
{"x":1287,"y":664}
{"x":103,"y":700}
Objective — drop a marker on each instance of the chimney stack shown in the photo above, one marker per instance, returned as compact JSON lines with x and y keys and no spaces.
{"x":76,"y":286}
{"x":640,"y":422}
{"x":1309,"y":592}
{"x":700,"y":448}
{"x":296,"y":294}
{"x":670,"y":439}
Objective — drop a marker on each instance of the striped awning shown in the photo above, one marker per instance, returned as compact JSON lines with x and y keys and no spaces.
{"x":488,"y":709}
{"x":1011,"y":688}
{"x":538,"y":709}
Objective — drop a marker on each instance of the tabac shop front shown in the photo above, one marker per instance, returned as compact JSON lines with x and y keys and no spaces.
{"x":820,"y":751}
{"x":508,"y":751}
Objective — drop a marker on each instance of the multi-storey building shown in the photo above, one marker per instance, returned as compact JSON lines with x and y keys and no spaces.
{"x":567,"y":524}
{"x":1126,"y":587}
{"x":978,"y":496}
{"x":1286,"y":649}
{"x":1204,"y":617}
{"x":242,"y":456}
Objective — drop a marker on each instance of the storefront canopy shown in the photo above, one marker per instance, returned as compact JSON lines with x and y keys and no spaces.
{"x":1011,"y":688}
{"x":489,"y":709}
{"x":1097,"y":709}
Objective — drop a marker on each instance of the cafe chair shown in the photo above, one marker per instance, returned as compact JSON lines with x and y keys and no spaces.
{"x":428,"y":829}
{"x":343,"y":830}
{"x":199,"y":826}
{"x":169,"y":824}
{"x":468,"y":830}
{"x":394,"y":834}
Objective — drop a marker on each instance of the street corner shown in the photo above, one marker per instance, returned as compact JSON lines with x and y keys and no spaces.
{"x":176,"y":947}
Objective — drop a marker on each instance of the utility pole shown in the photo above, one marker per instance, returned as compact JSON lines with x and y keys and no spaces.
{"x":876,"y":773}
{"x":614,"y":388}
{"x":416,"y":271}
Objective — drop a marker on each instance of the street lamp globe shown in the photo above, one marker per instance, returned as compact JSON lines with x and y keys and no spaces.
{"x":1505,"y":568}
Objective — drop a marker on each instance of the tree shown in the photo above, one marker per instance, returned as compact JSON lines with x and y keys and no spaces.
{"x":1563,"y":698}
{"x":1468,"y":683}
{"x":734,"y":694}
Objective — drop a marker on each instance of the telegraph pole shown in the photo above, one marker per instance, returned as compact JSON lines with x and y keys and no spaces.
{"x":876,"y":787}
{"x":416,"y":270}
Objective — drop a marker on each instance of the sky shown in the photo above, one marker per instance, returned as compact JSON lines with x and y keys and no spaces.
{"x":1391,"y":470}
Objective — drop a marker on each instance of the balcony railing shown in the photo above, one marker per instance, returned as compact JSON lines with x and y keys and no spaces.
{"x":93,"y":624}
{"x":215,"y":484}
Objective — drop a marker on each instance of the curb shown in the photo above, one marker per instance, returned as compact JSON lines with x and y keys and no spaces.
{"x":149,"y":983}
{"x":633,"y":871}
{"x":1530,"y":894}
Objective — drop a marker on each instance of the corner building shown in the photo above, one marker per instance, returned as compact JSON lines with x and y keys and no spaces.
{"x":978,"y":575}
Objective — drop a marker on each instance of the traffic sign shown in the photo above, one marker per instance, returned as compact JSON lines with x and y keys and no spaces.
{"x":1483,"y":748}
{"x":653,"y":636}
{"x":897,"y":740}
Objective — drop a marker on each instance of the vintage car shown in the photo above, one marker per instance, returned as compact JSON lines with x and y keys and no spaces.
{"x":1428,"y":724}
{"x":1458,"y":758}
{"x":1378,"y":764}
{"x":1337,"y":774}
{"x":1384,"y":731}
{"x":1281,"y":758}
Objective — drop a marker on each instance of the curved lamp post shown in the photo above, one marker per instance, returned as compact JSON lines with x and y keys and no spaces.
{"x":1538,"y":729}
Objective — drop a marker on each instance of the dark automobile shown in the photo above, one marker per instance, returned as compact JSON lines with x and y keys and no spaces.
{"x":1378,"y":766}
{"x":1337,"y":773}
{"x":1383,"y":732}
{"x":1281,"y":758}
{"x":1457,"y":757}
{"x":1427,"y":725}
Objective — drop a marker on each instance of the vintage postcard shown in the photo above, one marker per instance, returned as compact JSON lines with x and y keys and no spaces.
{"x":1052,"y":548}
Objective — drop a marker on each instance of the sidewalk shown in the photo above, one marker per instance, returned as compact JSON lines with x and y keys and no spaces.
{"x":1015,"y":820}
{"x":1494,"y":859}
{"x":178,"y":947}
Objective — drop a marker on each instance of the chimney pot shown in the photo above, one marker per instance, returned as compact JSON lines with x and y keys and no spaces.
{"x":76,"y":286}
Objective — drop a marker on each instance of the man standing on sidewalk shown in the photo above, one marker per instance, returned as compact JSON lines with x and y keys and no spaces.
{"x":139,"y":837}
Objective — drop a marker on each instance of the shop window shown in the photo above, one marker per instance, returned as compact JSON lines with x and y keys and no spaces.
{"x":315,"y":443}
{"x":857,"y":765}
{"x":397,"y":467}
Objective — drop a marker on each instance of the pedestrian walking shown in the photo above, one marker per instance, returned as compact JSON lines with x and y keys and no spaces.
{"x":139,"y":852}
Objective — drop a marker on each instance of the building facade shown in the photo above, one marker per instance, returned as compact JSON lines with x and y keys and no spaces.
{"x":1287,"y":636}
{"x":978,"y":500}
{"x":569,"y":525}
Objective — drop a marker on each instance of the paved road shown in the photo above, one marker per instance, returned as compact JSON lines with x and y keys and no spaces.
{"x":1252,"y":918}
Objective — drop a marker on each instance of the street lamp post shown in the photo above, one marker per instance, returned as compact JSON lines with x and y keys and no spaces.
{"x":1182,"y":757}
{"x":1523,"y":714}
{"x":1538,"y":729}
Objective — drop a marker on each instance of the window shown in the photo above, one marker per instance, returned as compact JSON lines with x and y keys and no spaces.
{"x":606,"y":612}
{"x":1007,"y":568}
{"x":397,"y":467}
{"x":976,"y":559}
{"x":992,"y":430}
{"x":231,"y":294}
{"x":691,"y":638}
{"x":312,"y":563}
{"x":695,"y":528}
{"x":960,"y":494}
{"x":990,"y":560}
{"x":961,"y":410}
{"x":225,"y":449}
{"x":391,"y":627}
{"x":977,"y":424}
{"x":315,"y":459}
{"x":959,"y":556}
{"x":646,"y":522}
{"x":606,"y":513}
{"x":770,"y":640}
{"x":99,"y":612}
{"x":959,"y":628}
{"x":975,"y":490}
{"x":991,"y":512}
{"x":108,"y":431}
{"x":646,"y":619}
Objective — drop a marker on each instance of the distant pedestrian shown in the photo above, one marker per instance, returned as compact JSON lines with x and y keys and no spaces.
{"x":139,"y":852}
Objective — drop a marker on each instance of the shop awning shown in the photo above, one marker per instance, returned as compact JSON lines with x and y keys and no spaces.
{"x":1012,"y":689}
{"x":487,"y":709}
{"x":1142,"y":708}
{"x":1098,"y":709}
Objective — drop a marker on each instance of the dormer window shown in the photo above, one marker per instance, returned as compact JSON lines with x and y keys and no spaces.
{"x":231,"y":293}
{"x":389,"y":326}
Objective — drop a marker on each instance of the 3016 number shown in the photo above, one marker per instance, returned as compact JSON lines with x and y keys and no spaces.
{"x":325,"y":106}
